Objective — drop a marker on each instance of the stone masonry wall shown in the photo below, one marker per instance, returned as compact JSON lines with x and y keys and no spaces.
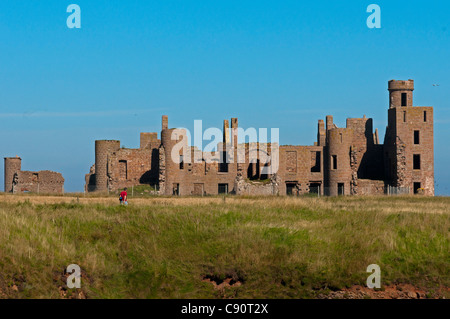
{"x":42,"y":182}
{"x":343,"y":161}
{"x":243,"y":186}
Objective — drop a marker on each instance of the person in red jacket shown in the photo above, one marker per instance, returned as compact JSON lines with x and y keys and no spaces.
{"x":123,"y":197}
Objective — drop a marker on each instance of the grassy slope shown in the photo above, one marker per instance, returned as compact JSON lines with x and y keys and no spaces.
{"x":279,"y":247}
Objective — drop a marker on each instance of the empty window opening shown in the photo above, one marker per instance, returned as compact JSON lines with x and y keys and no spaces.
{"x":253,"y":170}
{"x":223,"y":165}
{"x":404,"y":116}
{"x":417,"y":186}
{"x":424,"y":116}
{"x":315,"y":162}
{"x":334,"y":161}
{"x":340,"y":188}
{"x":404,"y":99}
{"x":314,"y":188}
{"x":290,"y":186}
{"x":341,"y":137}
{"x":250,"y":170}
{"x":181,"y":162}
{"x":416,"y":137}
{"x":123,"y":172}
{"x":176,"y":189}
{"x":264,"y":171}
{"x":223,"y":188}
{"x":416,"y":161}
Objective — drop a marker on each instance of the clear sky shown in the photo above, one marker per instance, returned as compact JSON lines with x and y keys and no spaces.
{"x":282,"y":64}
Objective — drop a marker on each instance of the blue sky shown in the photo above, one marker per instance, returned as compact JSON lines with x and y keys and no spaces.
{"x":282,"y":64}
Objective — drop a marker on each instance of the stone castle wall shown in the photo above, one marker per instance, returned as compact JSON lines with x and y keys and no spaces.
{"x":42,"y":182}
{"x":343,"y":161}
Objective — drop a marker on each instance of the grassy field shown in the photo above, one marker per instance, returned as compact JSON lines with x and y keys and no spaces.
{"x":275,"y":247}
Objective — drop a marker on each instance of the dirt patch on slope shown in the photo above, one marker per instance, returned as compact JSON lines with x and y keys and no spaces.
{"x":221,"y":284}
{"x":76,"y":293}
{"x":399,"y":291}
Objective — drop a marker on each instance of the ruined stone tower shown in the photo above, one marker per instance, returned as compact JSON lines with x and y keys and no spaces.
{"x":103,"y":149}
{"x":409,"y":146}
{"x":18,"y":181}
{"x":13,"y":165}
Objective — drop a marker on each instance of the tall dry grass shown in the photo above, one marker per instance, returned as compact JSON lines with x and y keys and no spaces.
{"x":160,"y":247}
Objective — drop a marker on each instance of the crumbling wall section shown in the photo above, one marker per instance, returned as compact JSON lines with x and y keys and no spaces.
{"x":371,"y":187}
{"x":128,"y":167}
{"x":42,"y":182}
{"x":244,"y":186}
{"x":401,"y":164}
{"x":162,"y":170}
{"x":89,"y":179}
{"x":354,"y":169}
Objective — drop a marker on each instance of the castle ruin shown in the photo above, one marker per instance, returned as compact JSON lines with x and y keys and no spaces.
{"x":18,"y":181}
{"x":343,"y":161}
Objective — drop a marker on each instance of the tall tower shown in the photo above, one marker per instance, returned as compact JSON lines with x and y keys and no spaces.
{"x":400,"y":93}
{"x":12,"y":166}
{"x":409,"y":146}
{"x":339,"y":173}
{"x":174,"y":171}
{"x":102,"y":151}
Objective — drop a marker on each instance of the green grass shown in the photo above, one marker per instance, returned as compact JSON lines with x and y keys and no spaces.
{"x":140,"y":191}
{"x":277,"y":247}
